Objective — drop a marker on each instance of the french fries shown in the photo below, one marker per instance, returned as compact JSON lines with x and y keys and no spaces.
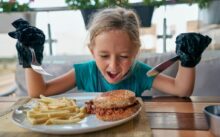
{"x":55,"y":111}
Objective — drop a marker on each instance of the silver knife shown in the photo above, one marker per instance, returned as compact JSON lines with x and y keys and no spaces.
{"x":162,"y":66}
{"x":17,"y":104}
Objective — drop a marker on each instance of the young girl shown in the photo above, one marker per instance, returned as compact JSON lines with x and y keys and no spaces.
{"x":114,"y":44}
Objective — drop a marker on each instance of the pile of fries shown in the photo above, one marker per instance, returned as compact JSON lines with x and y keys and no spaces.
{"x":55,"y":111}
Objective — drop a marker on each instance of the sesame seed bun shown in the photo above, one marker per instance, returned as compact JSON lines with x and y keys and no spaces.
{"x":115,"y":99}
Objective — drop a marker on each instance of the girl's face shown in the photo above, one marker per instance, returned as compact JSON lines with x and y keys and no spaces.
{"x":114,"y":54}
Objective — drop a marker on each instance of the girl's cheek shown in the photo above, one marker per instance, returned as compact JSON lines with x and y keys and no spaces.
{"x":126,"y":64}
{"x":102,"y":62}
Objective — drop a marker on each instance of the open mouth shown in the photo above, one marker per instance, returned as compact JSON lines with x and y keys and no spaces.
{"x":112,"y":75}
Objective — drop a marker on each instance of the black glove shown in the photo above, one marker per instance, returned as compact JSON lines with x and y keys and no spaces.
{"x":189,"y":47}
{"x":28,"y":36}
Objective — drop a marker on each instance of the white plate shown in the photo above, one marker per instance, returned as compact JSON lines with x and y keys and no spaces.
{"x":88,"y":124}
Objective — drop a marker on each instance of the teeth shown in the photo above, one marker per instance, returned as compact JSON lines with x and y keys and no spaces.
{"x":113,"y":73}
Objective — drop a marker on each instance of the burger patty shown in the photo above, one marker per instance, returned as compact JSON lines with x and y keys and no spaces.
{"x":91,"y":109}
{"x":110,"y":111}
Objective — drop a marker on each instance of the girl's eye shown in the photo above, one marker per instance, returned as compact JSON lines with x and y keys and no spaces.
{"x":124,"y":57}
{"x":103,"y":56}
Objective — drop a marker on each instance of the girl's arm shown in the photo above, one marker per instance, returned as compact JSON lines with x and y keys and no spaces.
{"x":189,"y":47}
{"x":182,"y":85}
{"x":36,"y":84}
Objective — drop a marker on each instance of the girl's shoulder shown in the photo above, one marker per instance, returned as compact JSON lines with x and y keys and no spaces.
{"x":142,"y":65}
{"x":90,"y":63}
{"x":86,"y":67}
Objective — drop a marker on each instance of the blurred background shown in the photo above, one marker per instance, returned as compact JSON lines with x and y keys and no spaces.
{"x":66,"y":32}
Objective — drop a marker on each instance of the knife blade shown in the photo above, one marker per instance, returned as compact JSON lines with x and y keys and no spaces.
{"x":17,"y":104}
{"x":162,"y":66}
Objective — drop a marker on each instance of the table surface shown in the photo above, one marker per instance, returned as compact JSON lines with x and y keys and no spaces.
{"x":167,"y":116}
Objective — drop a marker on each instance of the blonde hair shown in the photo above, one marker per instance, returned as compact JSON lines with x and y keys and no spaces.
{"x":115,"y":19}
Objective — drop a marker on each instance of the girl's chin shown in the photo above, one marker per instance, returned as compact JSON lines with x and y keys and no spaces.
{"x":112,"y":80}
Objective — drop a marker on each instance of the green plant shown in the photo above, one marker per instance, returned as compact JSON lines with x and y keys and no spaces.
{"x":201,"y":3}
{"x":14,"y":6}
{"x":94,"y":4}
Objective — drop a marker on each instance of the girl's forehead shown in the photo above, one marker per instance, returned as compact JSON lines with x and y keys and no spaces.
{"x":117,"y":38}
{"x":115,"y":41}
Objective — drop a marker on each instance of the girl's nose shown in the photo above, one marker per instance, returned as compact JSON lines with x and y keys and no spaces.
{"x":113,"y":64}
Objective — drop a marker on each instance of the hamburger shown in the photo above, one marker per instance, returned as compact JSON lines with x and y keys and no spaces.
{"x":113,"y":105}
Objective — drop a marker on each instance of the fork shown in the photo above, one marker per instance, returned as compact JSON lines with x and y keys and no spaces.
{"x":35,"y":65}
{"x":20,"y":102}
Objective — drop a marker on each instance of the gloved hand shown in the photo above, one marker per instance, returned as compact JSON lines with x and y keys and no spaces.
{"x":190,"y":46}
{"x":28,"y":36}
